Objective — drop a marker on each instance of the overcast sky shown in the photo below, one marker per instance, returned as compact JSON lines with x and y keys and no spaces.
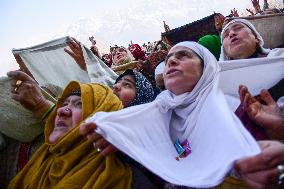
{"x":26,"y":23}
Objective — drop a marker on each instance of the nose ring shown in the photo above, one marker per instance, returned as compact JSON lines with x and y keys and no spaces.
{"x":67,"y":109}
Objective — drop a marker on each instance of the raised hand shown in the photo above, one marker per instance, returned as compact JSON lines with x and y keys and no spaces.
{"x":93,"y":41}
{"x":256,"y":6}
{"x":265,"y":112}
{"x":76,"y":52}
{"x":94,"y":48}
{"x":234,"y":13}
{"x":27,"y":92}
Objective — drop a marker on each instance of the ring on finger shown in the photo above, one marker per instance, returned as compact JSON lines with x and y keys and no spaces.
{"x":98,"y":149}
{"x":281,"y":179}
{"x":280,"y":169}
{"x":18,"y":83}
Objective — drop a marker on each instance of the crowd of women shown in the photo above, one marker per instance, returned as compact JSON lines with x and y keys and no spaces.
{"x":172,"y":131}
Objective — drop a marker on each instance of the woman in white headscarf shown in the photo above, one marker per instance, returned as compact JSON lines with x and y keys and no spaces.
{"x":188,"y":135}
{"x":241,"y":40}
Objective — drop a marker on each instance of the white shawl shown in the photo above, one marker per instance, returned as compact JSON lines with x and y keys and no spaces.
{"x":255,"y":73}
{"x":147,"y":132}
{"x":50,"y":64}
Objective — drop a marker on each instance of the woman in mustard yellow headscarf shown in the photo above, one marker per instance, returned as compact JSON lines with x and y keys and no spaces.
{"x":67,"y":159}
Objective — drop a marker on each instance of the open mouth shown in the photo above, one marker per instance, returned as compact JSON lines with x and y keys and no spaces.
{"x":172,"y":72}
{"x":60,"y":124}
{"x":234,"y":40}
{"x":118,"y":56}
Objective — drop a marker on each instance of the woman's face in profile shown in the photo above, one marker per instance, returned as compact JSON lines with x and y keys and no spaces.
{"x":125,"y":89}
{"x":68,"y":116}
{"x":183,"y":70}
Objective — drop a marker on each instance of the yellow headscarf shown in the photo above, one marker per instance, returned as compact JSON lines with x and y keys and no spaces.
{"x":72,"y":162}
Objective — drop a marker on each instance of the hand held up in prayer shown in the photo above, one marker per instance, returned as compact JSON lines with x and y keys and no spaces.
{"x":234,"y":13}
{"x":76,"y":52}
{"x":265,"y":169}
{"x":265,"y":112}
{"x":256,"y":6}
{"x":88,"y":130}
{"x":27,"y":92}
{"x":94,"y":48}
{"x":93,"y":41}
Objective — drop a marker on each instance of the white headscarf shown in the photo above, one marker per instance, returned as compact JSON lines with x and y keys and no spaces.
{"x":249,"y":25}
{"x":147,"y":132}
{"x":194,"y":99}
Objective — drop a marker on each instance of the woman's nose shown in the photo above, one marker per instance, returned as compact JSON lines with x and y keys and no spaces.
{"x":172,"y":61}
{"x":117,"y":53}
{"x":116,"y":87}
{"x":64,"y":111}
{"x":232,"y":33}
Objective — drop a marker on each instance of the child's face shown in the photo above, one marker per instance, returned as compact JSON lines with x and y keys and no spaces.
{"x":125,"y":89}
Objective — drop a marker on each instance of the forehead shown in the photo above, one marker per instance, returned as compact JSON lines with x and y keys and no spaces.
{"x":128,"y":78}
{"x":236,"y":24}
{"x":72,"y":98}
{"x":120,"y":49}
{"x":180,"y":48}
